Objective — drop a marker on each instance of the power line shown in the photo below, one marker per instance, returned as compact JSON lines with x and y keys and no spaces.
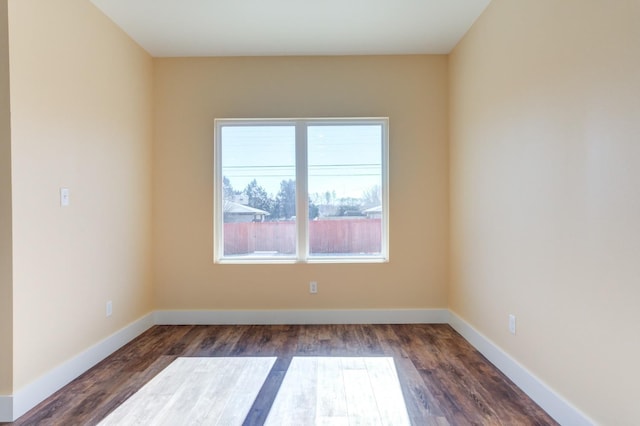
{"x":310,"y":166}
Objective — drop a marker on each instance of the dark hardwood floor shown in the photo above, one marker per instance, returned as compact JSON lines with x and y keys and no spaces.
{"x":444,"y":379}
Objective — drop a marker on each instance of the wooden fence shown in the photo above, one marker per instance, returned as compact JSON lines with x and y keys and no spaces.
{"x":346,"y":236}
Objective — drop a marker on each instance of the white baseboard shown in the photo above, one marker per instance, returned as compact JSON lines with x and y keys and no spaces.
{"x":37,"y":391}
{"x":6,"y":408}
{"x":357,"y":316}
{"x":554,"y":404}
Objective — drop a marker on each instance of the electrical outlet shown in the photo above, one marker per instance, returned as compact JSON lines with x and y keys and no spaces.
{"x":512,"y":324}
{"x":109,"y":308}
{"x":313,"y":287}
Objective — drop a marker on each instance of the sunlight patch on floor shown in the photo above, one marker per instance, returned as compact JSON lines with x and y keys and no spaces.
{"x":340,"y":391}
{"x":192,"y":391}
{"x":314,"y":391}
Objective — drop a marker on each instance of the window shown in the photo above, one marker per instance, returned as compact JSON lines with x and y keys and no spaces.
{"x":294,"y":190}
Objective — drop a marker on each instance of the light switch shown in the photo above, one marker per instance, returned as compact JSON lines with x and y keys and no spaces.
{"x":64,"y":197}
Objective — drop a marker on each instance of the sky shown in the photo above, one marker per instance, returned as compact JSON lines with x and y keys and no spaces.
{"x":343,"y":158}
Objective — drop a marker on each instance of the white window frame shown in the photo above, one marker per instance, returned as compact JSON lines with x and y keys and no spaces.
{"x":302,"y":198}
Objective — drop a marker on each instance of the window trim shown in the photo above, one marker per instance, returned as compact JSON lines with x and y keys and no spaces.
{"x":302,"y":198}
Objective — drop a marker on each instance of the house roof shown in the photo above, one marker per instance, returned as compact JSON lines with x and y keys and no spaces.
{"x":376,"y":209}
{"x":237,"y":208}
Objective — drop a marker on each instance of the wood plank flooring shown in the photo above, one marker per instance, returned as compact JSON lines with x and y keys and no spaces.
{"x":443,"y":379}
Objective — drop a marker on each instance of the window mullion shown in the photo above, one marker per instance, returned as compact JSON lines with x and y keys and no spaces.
{"x":302,"y":205}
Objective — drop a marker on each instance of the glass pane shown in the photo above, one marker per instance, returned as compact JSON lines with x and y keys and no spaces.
{"x":345,"y":190}
{"x":258,"y":169}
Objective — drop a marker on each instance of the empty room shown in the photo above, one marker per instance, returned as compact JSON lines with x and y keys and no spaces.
{"x":344,"y":212}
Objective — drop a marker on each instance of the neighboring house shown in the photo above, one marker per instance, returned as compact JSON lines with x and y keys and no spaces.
{"x":373,"y":212}
{"x":327,"y":210}
{"x":337,"y":212}
{"x":236,"y":212}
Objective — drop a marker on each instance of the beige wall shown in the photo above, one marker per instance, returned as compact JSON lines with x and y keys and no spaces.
{"x":545,"y":147}
{"x":81,"y":99}
{"x":190,"y":93}
{"x":6,"y":281}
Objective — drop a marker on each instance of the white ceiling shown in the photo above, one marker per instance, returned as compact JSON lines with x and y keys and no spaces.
{"x":293,"y":27}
